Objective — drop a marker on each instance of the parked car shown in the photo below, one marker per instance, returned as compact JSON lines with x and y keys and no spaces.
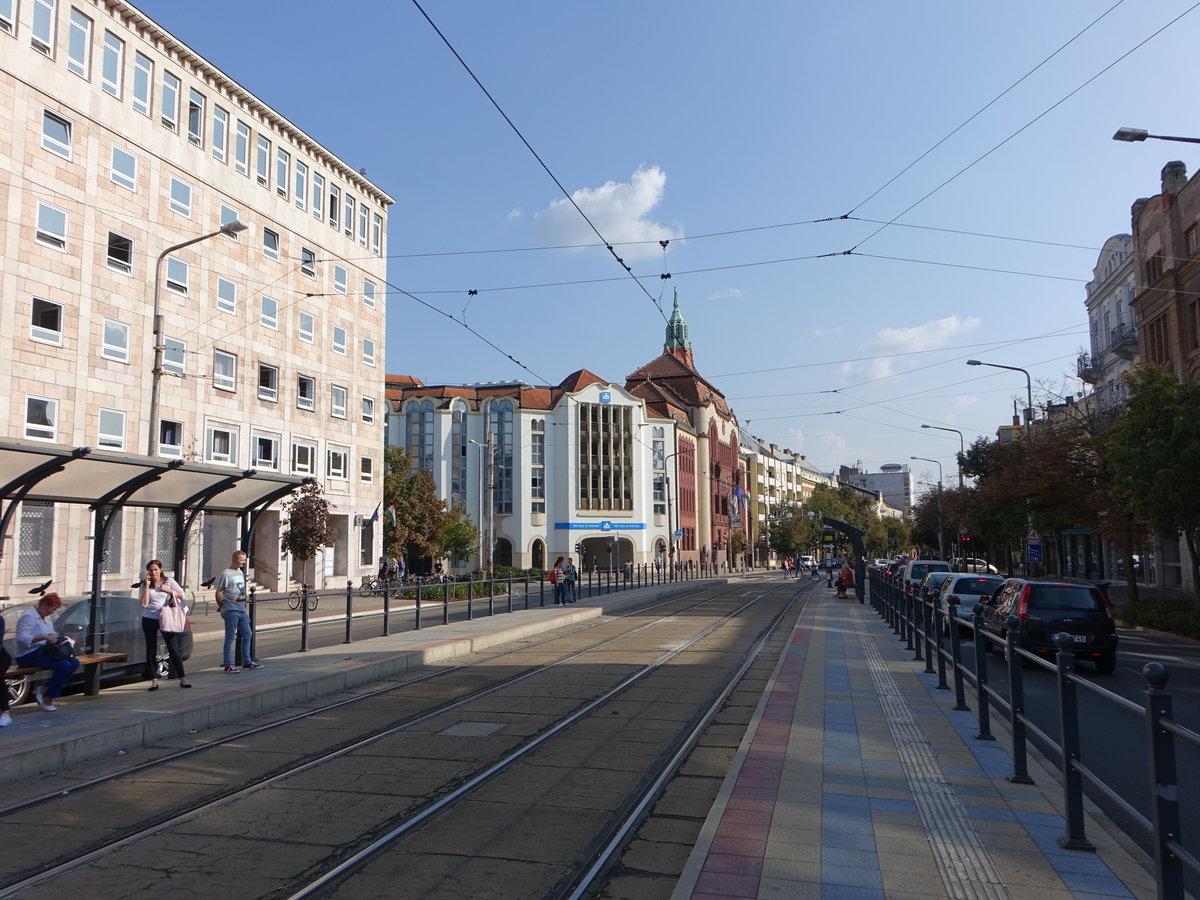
{"x":119,"y":624}
{"x":962,"y":590}
{"x":915,"y":572}
{"x":1047,"y":608}
{"x":808,"y":561}
{"x":972,"y":564}
{"x":931,"y":584}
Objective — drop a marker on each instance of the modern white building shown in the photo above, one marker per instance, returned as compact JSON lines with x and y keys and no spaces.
{"x":893,"y":483}
{"x":124,"y":154}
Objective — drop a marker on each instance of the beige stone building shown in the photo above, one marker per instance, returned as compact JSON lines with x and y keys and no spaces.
{"x":121,"y":142}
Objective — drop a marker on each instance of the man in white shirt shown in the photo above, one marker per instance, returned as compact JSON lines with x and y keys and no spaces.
{"x":231,"y":604}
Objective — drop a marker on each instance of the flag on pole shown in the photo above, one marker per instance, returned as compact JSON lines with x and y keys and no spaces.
{"x":391,"y":511}
{"x":738,"y":497}
{"x":375,"y":515}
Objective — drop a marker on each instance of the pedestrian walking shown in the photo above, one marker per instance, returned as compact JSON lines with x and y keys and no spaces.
{"x":158,"y":590}
{"x":558,"y":579}
{"x":231,"y":604}
{"x":571,"y":574}
{"x":36,"y":639}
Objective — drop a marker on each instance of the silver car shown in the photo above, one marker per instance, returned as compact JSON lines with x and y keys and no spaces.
{"x":962,"y":590}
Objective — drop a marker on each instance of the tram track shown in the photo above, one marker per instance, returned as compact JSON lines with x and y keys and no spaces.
{"x":374,"y":750}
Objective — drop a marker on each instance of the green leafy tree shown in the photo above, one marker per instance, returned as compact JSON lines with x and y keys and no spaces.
{"x":424,"y":526}
{"x":306,"y":527}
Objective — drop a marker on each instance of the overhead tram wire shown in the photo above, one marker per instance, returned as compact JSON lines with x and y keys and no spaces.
{"x":1027,"y":125}
{"x":967,"y":121}
{"x":541,"y":162}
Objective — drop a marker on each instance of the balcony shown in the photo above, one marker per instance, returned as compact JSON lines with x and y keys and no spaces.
{"x":1123,"y":341}
{"x":1087,"y":368}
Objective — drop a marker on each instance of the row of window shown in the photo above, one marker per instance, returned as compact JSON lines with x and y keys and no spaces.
{"x":231,"y":139}
{"x":221,"y":442}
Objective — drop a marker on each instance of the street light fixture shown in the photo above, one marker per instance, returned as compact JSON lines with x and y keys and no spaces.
{"x":229,"y":228}
{"x":941,"y":536}
{"x":1028,"y":391}
{"x":487,"y":536}
{"x":1133,"y":135}
{"x":962,"y":448}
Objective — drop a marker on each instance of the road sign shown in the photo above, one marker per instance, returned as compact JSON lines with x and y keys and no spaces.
{"x":678,"y":532}
{"x":1033,"y":537}
{"x":1033,"y":553}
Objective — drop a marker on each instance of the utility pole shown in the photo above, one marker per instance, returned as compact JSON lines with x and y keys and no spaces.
{"x":490,"y":541}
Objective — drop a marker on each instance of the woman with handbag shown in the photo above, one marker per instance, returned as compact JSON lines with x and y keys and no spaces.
{"x":36,"y":643}
{"x":162,"y":601}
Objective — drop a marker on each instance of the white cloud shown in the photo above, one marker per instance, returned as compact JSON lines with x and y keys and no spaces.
{"x":890,"y":341}
{"x":826,"y":332}
{"x":619,"y":210}
{"x":514,"y":215}
{"x":728,"y":294}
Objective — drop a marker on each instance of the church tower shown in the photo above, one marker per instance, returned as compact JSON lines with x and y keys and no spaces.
{"x":678,"y":344}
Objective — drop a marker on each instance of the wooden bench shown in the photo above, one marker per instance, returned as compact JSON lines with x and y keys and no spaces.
{"x":90,"y":662}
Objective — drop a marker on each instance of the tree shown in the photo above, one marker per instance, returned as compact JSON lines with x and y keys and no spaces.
{"x":424,"y":526}
{"x":1154,"y":455}
{"x":306,"y":528}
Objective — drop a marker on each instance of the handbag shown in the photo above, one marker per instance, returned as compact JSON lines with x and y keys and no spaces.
{"x":172,"y":618}
{"x":63,"y":648}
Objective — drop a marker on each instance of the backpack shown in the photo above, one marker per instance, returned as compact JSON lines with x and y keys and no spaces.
{"x":552,"y":578}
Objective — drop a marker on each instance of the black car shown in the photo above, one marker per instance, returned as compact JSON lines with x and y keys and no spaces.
{"x":1047,"y":608}
{"x":120,"y":626}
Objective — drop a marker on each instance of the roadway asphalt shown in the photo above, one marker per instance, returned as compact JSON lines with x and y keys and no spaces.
{"x":854,"y":779}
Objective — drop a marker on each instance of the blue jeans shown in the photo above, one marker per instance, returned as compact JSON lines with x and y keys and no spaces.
{"x":62,"y":670}
{"x":237,"y":624}
{"x":560,"y":592}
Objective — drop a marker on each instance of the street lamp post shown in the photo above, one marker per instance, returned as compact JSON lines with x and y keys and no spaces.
{"x":941,"y":535}
{"x":1133,"y":135}
{"x":487,"y":537}
{"x":962,"y":449}
{"x":230,"y":228}
{"x":1028,"y":390}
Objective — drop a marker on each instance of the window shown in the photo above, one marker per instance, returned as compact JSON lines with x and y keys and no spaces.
{"x":46,"y":322}
{"x":269,"y":313}
{"x":56,"y":134}
{"x":339,"y":340}
{"x":376,"y":233}
{"x":308,"y":327}
{"x":658,"y":452}
{"x":283,"y":165}
{"x":1190,"y":241}
{"x":226,"y":295}
{"x":318,"y":195}
{"x":268,"y":383}
{"x":229,"y":215}
{"x":366,"y":470}
{"x":418,"y":420}
{"x":116,"y":341}
{"x":143,"y":79}
{"x":195,"y":117}
{"x":220,"y":444}
{"x":368,"y":351}
{"x":262,"y":163}
{"x":335,"y":204}
{"x":308,"y":262}
{"x":537,"y":466}
{"x":306,"y":392}
{"x":112,"y":65}
{"x":241,"y":147}
{"x":304,"y":459}
{"x":111,"y":432}
{"x":51,"y":227}
{"x":349,"y":217}
{"x":1154,"y":268}
{"x":120,"y":253}
{"x":605,"y":475}
{"x":224,"y":371}
{"x":41,"y":418}
{"x":178,"y":275}
{"x":220,"y":133}
{"x":170,"y":101}
{"x":35,"y":556}
{"x":270,"y":243}
{"x":79,"y":44}
{"x":181,"y":197}
{"x":42,"y":28}
{"x":340,"y":279}
{"x":337,"y":404}
{"x":170,"y":438}
{"x":123,"y":169}
{"x":8,"y":15}
{"x":369,"y":294}
{"x":660,"y":493}
{"x":362,"y":224}
{"x":368,"y":410}
{"x":336,"y":463}
{"x":300,"y":185}
{"x":266,"y":452}
{"x":458,"y":453}
{"x":174,"y":357}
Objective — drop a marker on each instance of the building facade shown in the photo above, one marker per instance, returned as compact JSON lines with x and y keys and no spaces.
{"x":1111,"y":324}
{"x":894,"y":484}
{"x":126,"y":155}
{"x":779,"y":480}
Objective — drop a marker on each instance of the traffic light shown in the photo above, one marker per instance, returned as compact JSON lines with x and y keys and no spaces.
{"x":579,"y":546}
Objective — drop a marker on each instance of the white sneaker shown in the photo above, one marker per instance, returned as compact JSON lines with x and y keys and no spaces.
{"x":5,"y":719}
{"x":45,"y":704}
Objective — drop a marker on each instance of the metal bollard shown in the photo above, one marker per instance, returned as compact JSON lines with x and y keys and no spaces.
{"x":960,"y":693}
{"x":349,"y":610}
{"x":1016,"y":690}
{"x":445,"y":603}
{"x":1164,"y":782}
{"x":1068,"y":708}
{"x":387,"y":605}
{"x":253,"y":612}
{"x":470,"y":596}
{"x":303,"y":618}
{"x":510,"y":602}
{"x":940,"y":626}
{"x":981,"y":699}
{"x":417,"y":607}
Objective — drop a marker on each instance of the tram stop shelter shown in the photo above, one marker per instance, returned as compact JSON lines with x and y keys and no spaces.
{"x":107,"y":482}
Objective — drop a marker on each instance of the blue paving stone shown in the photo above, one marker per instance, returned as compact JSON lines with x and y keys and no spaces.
{"x":883,"y":804}
{"x":852,"y":876}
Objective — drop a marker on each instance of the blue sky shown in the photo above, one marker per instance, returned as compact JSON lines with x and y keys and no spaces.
{"x":720,"y":128}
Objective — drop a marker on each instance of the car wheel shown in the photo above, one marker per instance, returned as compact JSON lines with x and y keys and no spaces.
{"x":1107,"y":663}
{"x":18,"y":689}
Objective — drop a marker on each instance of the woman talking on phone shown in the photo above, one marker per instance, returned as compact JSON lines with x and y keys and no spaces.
{"x":159,"y":590}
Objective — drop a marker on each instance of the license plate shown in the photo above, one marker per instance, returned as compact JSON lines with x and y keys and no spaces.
{"x":1081,"y":638}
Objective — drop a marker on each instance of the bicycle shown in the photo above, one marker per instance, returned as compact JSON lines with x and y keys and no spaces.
{"x":295,"y":598}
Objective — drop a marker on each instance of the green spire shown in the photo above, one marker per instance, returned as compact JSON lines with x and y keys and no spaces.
{"x":677,"y":330}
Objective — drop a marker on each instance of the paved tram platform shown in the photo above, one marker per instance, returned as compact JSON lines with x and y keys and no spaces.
{"x":855,"y":779}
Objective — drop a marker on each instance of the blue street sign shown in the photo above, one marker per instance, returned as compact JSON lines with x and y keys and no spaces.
{"x":606,"y":396}
{"x":1033,"y":553}
{"x":678,"y":532}
{"x":603,"y":525}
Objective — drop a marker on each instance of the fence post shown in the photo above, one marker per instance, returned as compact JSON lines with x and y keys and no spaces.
{"x":1164,"y":784}
{"x":960,"y":693}
{"x":304,"y":617}
{"x":908,"y":623}
{"x":981,"y":667}
{"x":939,"y":626}
{"x":526,"y":588}
{"x":470,"y":595}
{"x":387,"y":604}
{"x":349,"y":610}
{"x":510,"y":605}
{"x":253,"y":612}
{"x":417,"y":607}
{"x":445,"y":603}
{"x":492,"y":596}
{"x":1068,"y":710}
{"x":1016,"y":691}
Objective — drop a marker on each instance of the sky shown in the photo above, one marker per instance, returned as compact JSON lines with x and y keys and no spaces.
{"x":856,"y":197}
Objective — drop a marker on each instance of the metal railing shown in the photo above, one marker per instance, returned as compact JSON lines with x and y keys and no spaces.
{"x":920,"y":623}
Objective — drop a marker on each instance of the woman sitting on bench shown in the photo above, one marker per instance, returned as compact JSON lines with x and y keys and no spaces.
{"x":35,"y":632}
